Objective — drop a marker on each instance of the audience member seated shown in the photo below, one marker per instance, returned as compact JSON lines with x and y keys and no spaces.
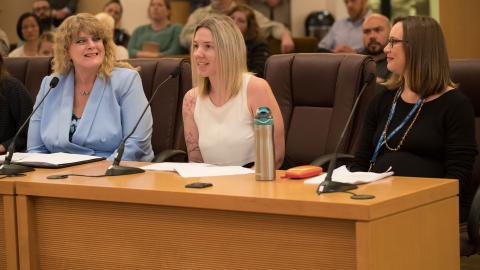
{"x":28,"y":30}
{"x":61,"y":9}
{"x":345,"y":36}
{"x":376,"y":29}
{"x":41,"y":9}
{"x":45,"y":44}
{"x":276,"y":10}
{"x":115,"y":9}
{"x":4,"y":43}
{"x":268,"y":27}
{"x":121,"y":52}
{"x":257,"y":50}
{"x":15,"y":107}
{"x":97,"y":101}
{"x":218,"y":112}
{"x":158,"y":38}
{"x":424,"y":126}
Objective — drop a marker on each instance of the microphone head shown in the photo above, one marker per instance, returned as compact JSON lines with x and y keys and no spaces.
{"x":175,"y":72}
{"x":54,"y":82}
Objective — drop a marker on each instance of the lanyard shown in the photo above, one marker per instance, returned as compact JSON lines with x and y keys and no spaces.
{"x":381,"y":140}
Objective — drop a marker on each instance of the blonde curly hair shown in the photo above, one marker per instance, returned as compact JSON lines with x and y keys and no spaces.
{"x":68,"y":33}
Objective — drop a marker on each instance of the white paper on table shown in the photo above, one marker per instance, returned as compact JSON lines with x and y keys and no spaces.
{"x":16,"y":156}
{"x":200,"y":171}
{"x":172,"y":166}
{"x":197,"y":169}
{"x":343,"y":175}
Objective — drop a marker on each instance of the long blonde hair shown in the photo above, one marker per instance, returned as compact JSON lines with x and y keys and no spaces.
{"x":231,"y":55}
{"x":68,"y":32}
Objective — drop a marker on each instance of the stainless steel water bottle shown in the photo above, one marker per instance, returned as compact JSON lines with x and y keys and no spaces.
{"x":264,"y":144}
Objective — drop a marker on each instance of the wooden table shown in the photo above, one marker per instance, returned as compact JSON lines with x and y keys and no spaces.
{"x":150,"y":221}
{"x":8,"y":237}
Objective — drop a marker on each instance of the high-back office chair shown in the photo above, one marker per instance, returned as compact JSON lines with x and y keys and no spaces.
{"x":29,"y":70}
{"x":166,"y":107}
{"x":316,"y":93}
{"x":465,"y":72}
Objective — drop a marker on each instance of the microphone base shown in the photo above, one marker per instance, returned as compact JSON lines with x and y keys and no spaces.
{"x":335,"y":187}
{"x":116,"y":170}
{"x":14,"y":169}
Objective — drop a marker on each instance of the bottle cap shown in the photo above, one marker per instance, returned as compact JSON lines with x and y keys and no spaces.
{"x":263,"y":116}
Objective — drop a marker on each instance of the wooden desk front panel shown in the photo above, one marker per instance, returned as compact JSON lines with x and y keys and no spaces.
{"x":3,"y":248}
{"x":8,"y":227}
{"x":422,"y":238}
{"x":84,"y":234}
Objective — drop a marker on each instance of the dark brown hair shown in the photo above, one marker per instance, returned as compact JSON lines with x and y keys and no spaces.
{"x":23,"y":17}
{"x":252,"y":25}
{"x":427,"y":66}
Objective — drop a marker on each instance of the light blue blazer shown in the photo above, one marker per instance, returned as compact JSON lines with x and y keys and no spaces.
{"x":113,"y":108}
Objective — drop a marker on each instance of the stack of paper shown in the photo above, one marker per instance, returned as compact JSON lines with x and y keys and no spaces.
{"x":198,"y":169}
{"x":343,"y":175}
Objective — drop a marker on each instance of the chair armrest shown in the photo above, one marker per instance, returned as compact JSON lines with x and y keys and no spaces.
{"x":474,"y":220}
{"x":325,"y":159}
{"x":169,"y":154}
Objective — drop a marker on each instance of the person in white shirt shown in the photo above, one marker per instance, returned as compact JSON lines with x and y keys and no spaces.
{"x":218,"y":112}
{"x":28,"y":30}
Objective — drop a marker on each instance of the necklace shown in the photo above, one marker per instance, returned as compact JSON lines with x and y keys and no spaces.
{"x":85,"y":93}
{"x":383,"y":139}
{"x":419,"y":104}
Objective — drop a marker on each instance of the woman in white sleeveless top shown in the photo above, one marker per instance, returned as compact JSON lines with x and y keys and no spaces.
{"x":218,"y":112}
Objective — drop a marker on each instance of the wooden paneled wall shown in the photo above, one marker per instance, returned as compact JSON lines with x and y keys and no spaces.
{"x":460,"y":21}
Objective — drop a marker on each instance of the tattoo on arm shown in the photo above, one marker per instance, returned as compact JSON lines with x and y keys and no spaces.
{"x":191,"y":132}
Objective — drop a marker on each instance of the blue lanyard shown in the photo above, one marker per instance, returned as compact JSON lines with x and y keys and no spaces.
{"x":381,"y":140}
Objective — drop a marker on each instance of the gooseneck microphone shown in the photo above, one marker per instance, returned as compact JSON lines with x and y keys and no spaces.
{"x":329,"y":186}
{"x":115,"y":168}
{"x":7,"y":167}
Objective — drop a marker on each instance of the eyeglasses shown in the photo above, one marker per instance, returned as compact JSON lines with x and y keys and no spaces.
{"x":393,"y":41}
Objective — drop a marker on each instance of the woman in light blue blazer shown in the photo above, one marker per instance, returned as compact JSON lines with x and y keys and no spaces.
{"x":97,"y":101}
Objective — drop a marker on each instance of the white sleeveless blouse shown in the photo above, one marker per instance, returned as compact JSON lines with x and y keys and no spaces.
{"x":226,"y":135}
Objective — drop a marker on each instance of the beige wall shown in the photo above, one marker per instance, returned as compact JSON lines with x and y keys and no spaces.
{"x":10,"y":10}
{"x":91,"y":6}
